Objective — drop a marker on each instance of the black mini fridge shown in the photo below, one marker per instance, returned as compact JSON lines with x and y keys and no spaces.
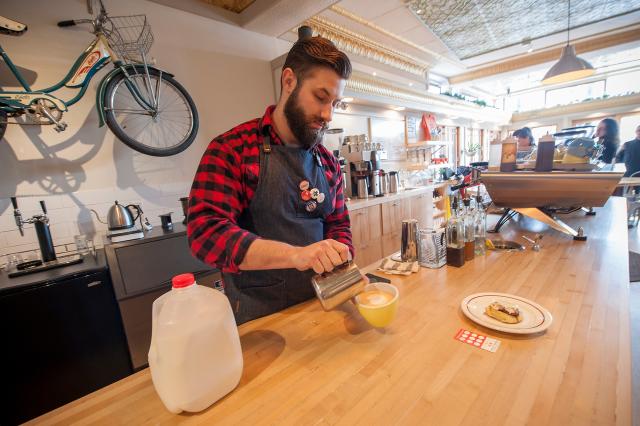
{"x":62,"y":338}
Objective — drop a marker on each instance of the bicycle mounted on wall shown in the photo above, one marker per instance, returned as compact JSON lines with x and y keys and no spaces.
{"x":142,"y":105}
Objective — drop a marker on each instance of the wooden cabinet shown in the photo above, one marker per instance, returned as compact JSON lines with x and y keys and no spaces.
{"x":377,"y":230}
{"x":393,"y":213}
{"x":422,"y":210}
{"x":366,"y":232}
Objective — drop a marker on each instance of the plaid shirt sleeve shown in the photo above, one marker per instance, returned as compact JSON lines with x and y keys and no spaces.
{"x":215,"y":203}
{"x":337,"y":224}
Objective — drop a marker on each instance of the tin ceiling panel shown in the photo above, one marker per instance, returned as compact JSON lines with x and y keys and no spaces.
{"x":236,"y":6}
{"x":474,"y":27}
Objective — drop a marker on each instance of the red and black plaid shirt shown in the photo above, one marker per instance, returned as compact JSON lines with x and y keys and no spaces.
{"x":224,"y":185}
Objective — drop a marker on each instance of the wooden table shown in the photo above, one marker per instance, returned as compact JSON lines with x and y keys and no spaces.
{"x":304,"y":366}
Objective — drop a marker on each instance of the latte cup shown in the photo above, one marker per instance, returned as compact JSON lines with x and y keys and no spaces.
{"x":378,"y":304}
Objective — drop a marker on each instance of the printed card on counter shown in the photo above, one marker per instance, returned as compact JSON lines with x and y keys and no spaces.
{"x":477,"y":340}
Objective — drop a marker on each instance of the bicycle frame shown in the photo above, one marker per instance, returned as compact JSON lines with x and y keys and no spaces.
{"x":92,"y":59}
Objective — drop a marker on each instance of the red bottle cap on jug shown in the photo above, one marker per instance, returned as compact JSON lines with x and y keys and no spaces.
{"x":183,"y":280}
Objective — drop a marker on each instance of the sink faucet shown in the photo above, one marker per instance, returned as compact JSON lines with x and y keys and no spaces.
{"x":535,"y":242}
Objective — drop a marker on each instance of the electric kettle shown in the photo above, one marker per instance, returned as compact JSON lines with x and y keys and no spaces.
{"x":120,"y":217}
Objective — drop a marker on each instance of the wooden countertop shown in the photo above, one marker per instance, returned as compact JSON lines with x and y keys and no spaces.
{"x":305,"y":366}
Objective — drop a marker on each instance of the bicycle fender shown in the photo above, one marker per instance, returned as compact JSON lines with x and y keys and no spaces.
{"x":102,"y":86}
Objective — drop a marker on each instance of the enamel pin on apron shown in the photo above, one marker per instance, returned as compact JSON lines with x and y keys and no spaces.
{"x":312,"y":197}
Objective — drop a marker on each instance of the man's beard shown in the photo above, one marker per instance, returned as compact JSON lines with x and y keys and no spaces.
{"x":300,"y":125}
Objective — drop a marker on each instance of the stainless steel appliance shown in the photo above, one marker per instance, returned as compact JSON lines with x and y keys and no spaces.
{"x":120,"y":217}
{"x":363,"y":187}
{"x":409,"y":242}
{"x":384,"y":180}
{"x":376,"y":183}
{"x":394,"y":182}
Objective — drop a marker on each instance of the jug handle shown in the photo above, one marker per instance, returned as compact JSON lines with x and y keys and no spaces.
{"x":138,"y":211}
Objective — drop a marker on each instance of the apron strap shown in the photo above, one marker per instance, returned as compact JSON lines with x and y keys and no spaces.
{"x":266,"y":142}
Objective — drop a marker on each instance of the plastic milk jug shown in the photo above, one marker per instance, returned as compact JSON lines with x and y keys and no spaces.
{"x":195,"y":356}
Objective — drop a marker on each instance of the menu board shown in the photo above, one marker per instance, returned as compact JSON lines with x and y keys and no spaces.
{"x":413,"y":124}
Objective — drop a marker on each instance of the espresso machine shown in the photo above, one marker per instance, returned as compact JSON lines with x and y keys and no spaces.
{"x":362,"y":160}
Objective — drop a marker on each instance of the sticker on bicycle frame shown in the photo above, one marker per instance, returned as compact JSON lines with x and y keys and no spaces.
{"x":98,"y":52}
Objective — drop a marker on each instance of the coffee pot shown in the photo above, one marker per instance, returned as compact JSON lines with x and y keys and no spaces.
{"x":120,"y":217}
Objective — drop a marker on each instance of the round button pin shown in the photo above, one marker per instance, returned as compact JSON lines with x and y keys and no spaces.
{"x":306,"y":195}
{"x":304,"y":185}
{"x":314,"y":193}
{"x":310,"y":206}
{"x":320,"y":197}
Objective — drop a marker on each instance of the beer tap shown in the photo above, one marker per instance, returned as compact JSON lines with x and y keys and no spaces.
{"x":41,"y":224}
{"x":17,"y":215}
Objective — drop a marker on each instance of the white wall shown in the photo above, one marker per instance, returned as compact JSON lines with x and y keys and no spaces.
{"x":225,"y":69}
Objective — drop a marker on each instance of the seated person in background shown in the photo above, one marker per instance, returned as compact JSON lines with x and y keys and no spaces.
{"x":607,"y":133}
{"x":630,"y":154}
{"x":526,"y":143}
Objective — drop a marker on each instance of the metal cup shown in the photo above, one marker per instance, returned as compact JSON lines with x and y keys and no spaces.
{"x":336,"y":287}
{"x":409,"y":245}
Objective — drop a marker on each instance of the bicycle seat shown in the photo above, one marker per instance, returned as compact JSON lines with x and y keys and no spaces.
{"x":11,"y":27}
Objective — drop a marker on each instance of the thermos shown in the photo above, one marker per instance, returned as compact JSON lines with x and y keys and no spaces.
{"x":363,"y":188}
{"x":393,"y":182}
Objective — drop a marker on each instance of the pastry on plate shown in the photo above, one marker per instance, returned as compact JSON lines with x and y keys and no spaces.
{"x":506,"y":314}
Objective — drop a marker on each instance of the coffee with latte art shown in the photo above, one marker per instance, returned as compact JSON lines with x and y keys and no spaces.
{"x":373,"y":298}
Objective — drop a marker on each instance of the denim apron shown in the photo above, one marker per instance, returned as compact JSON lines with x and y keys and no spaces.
{"x":290,"y":205}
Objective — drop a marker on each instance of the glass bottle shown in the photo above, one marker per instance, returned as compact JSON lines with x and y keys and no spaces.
{"x":480,"y":228}
{"x":469,"y":231}
{"x":455,"y":237}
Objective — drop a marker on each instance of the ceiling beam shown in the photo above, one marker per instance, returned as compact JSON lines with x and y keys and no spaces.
{"x":550,"y":55}
{"x":274,"y":18}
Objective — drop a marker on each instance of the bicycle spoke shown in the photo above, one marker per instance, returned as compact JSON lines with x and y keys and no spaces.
{"x":129,"y":111}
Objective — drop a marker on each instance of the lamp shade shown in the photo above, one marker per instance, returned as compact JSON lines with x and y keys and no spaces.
{"x":568,"y":68}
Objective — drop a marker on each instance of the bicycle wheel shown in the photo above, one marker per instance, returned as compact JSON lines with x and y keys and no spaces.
{"x":166,"y":130}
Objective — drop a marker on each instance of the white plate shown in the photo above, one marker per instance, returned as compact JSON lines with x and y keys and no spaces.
{"x":535,"y":318}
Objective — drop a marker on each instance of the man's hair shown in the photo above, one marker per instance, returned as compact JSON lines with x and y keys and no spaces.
{"x":312,"y":52}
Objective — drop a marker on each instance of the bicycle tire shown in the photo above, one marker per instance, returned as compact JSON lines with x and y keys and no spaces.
{"x":110,"y":117}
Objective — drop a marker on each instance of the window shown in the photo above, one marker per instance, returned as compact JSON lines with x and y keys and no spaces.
{"x":540,"y":131}
{"x":623,"y":84}
{"x":435,"y":89}
{"x":628,"y":125}
{"x":573,"y":94}
{"x":526,"y":101}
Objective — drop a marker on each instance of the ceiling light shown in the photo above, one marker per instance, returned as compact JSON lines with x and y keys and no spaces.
{"x":569,"y":67}
{"x":375,"y":73}
{"x":347,"y":99}
{"x":410,"y":84}
{"x":398,"y":108}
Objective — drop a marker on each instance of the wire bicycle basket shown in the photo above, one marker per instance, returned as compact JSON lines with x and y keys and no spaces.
{"x":129,"y":36}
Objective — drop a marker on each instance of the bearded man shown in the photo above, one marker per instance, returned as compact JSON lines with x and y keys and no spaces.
{"x":266,"y":205}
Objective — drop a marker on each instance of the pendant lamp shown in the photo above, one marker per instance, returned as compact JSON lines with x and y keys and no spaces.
{"x":569,"y":67}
